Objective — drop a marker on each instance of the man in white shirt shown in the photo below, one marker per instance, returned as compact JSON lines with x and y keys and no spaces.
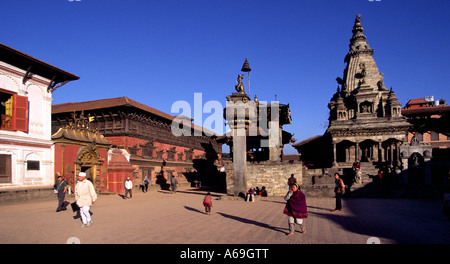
{"x":128,"y":188}
{"x":85,"y":196}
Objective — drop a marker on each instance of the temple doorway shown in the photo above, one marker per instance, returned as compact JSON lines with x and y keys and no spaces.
{"x":345,"y":151}
{"x":88,"y":161}
{"x":416,"y":169}
{"x":88,"y":171}
{"x":369,"y":150}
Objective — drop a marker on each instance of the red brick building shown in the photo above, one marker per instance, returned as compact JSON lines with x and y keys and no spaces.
{"x":143,"y":135}
{"x":431,"y":124}
{"x":79,"y":148}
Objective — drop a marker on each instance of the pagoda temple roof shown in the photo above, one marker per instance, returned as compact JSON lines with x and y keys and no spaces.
{"x":118,"y":102}
{"x":84,"y":136}
{"x":107,"y":103}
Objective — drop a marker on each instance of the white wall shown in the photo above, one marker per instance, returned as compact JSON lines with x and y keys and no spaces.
{"x":35,"y":144}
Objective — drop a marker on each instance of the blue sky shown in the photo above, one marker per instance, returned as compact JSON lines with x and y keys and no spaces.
{"x":159,"y":52}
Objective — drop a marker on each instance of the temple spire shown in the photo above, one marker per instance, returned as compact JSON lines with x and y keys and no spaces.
{"x":361,"y":67}
{"x":358,"y":43}
{"x":357,"y":27}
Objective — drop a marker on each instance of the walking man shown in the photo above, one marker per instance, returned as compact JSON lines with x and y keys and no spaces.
{"x":146,"y":182}
{"x":292,"y":180}
{"x":339,"y":190}
{"x":128,"y":188}
{"x":173,"y":184}
{"x":85,"y":196}
{"x":61,"y":189}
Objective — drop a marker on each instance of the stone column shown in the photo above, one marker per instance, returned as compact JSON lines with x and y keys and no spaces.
{"x":275,"y":141}
{"x":239,"y":113}
{"x":391,"y":154}
{"x":380,"y":152}
{"x":404,"y":174}
{"x":357,"y":151}
{"x":334,"y":155}
{"x":239,"y":160}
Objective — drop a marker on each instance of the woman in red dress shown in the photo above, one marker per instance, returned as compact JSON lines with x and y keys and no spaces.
{"x":295,"y":208}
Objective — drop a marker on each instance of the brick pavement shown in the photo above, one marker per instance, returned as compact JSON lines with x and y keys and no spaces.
{"x":160,"y":217}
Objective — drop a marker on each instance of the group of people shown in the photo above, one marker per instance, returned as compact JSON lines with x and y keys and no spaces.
{"x":253,"y":192}
{"x":295,"y":209}
{"x":357,"y":174}
{"x":129,"y":186}
{"x":85,"y":196}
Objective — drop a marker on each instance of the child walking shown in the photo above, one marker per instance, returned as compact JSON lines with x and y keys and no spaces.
{"x":207,"y":202}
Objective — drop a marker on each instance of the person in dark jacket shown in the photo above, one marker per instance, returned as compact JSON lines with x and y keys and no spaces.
{"x":339,"y":190}
{"x":295,"y":208}
{"x":60,"y":188}
{"x":292,"y":180}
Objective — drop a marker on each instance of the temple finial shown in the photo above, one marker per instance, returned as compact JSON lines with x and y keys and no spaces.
{"x":358,"y":27}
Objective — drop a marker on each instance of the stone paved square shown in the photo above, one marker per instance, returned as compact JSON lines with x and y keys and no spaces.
{"x":162,"y":217}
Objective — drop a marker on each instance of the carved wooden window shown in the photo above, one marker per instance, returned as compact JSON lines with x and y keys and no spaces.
{"x":133,"y":150}
{"x":147,"y":152}
{"x":5,"y":168}
{"x":171,"y":154}
{"x":434,"y":136}
{"x":419,"y":136}
{"x":13,"y":111}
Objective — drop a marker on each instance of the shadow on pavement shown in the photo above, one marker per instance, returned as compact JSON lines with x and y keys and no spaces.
{"x":402,"y":221}
{"x":319,"y":208}
{"x":193,"y":209}
{"x":192,"y":191}
{"x":253,"y":222}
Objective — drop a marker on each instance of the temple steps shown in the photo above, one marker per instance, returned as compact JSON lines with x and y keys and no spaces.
{"x":323,"y":185}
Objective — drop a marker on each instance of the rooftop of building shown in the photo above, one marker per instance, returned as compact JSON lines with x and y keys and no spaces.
{"x":33,"y":65}
{"x":118,"y":102}
{"x":425,"y":106}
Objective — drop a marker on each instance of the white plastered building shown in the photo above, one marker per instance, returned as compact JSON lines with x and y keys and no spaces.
{"x":26,"y":149}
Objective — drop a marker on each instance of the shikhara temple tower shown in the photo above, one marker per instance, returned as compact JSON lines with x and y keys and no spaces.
{"x":365,"y":122}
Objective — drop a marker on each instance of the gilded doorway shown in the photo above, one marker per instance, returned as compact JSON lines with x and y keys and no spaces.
{"x":88,"y":160}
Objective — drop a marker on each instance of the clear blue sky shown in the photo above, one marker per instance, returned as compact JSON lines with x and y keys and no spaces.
{"x":158,"y":52}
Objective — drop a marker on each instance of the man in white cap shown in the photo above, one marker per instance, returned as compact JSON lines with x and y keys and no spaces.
{"x":85,"y":196}
{"x":128,"y":188}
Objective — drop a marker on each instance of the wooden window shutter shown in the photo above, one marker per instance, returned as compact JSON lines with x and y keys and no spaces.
{"x":5,"y":168}
{"x":20,"y":113}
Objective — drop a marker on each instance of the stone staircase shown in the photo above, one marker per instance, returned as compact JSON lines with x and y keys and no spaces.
{"x":369,"y":186}
{"x":318,"y":185}
{"x":322,"y":185}
{"x":369,"y":171}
